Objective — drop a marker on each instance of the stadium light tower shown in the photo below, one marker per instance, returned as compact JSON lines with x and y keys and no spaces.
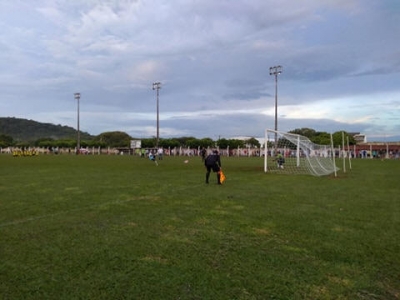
{"x":157,"y":87}
{"x":276,"y":70}
{"x":78,"y":140}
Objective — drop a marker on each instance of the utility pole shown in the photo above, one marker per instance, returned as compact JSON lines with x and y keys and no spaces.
{"x":78,"y":139}
{"x":157,"y":87}
{"x":276,"y":70}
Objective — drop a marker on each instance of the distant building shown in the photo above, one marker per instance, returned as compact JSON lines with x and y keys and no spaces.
{"x":358,"y":137}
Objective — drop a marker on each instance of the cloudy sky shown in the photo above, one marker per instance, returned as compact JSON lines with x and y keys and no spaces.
{"x":340,"y":61}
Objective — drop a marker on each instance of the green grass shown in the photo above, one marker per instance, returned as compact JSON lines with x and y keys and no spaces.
{"x":118,"y":227}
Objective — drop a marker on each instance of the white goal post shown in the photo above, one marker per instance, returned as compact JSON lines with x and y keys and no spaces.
{"x":290,"y":153}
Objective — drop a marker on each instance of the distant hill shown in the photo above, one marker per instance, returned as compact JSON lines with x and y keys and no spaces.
{"x":23,"y":130}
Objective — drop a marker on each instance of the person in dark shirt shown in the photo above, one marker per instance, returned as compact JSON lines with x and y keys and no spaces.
{"x":213,"y":162}
{"x":203,"y":153}
{"x":280,"y":160}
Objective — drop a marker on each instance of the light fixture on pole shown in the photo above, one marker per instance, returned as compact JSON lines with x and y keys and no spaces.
{"x":78,"y":140}
{"x":276,"y":70}
{"x":157,"y":87}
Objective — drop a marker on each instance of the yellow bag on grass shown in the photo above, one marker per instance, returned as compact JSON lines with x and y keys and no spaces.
{"x":222,"y":177}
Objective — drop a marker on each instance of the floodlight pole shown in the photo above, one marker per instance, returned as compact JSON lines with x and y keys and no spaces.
{"x":78,"y":142}
{"x":276,"y":70}
{"x":157,"y":87}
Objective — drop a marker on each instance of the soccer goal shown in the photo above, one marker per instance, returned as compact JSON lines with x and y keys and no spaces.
{"x":289,"y":153}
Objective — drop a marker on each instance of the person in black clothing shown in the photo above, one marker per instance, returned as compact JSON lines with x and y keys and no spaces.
{"x":213,"y":162}
{"x":203,"y":153}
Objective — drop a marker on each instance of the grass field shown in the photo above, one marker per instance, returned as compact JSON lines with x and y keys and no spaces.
{"x":119,"y":227}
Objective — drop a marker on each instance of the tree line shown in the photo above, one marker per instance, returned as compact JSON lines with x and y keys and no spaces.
{"x":118,"y":139}
{"x":324,"y":138}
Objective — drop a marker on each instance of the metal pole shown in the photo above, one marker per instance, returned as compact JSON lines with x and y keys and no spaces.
{"x":157,"y":86}
{"x":78,"y":142}
{"x":276,"y":102}
{"x":276,"y":70}
{"x":158,"y":118}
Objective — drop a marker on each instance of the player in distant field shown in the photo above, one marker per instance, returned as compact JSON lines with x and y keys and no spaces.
{"x":213,"y":162}
{"x":152,"y":157}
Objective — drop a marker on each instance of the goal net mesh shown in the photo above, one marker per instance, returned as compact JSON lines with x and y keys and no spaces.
{"x":289,"y":153}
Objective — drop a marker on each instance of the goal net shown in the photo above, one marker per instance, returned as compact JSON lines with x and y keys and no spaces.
{"x":289,"y":153}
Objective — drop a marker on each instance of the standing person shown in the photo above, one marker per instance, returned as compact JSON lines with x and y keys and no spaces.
{"x":203,"y":153}
{"x":160,"y":153}
{"x":213,"y":162}
{"x":280,"y":160}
